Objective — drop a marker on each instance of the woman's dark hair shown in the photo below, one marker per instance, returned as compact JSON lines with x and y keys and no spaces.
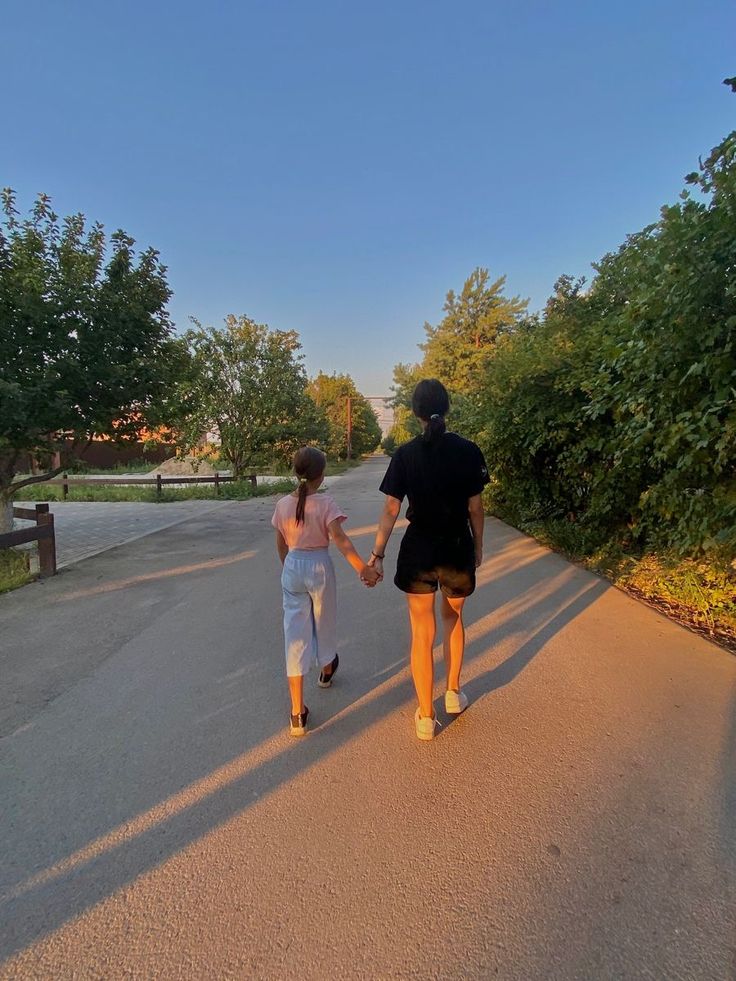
{"x":309,"y":464}
{"x":431,"y":403}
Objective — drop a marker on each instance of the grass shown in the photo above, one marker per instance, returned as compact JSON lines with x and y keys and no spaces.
{"x":698,"y":593}
{"x":14,"y":569}
{"x":45,"y":492}
{"x":337,"y":467}
{"x":237,"y":491}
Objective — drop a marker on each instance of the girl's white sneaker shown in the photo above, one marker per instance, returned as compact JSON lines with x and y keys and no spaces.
{"x":425,"y":726}
{"x":455,"y":702}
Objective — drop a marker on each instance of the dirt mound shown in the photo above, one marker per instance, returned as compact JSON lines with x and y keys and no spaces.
{"x":186,"y":466}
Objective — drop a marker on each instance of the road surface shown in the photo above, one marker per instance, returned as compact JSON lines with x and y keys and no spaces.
{"x":156,"y":820}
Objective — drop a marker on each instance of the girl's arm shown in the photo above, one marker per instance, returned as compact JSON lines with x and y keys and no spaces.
{"x":477,"y":518}
{"x":281,"y":547}
{"x":386,"y":522}
{"x":338,"y":536}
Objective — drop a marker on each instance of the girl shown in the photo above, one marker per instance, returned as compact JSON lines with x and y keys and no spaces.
{"x":443,"y":475}
{"x":305,"y":522}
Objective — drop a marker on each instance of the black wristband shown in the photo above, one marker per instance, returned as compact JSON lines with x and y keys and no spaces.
{"x":377,"y":556}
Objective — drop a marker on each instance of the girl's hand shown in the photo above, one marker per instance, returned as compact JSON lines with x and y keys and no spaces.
{"x":478,"y":556}
{"x":369,"y":576}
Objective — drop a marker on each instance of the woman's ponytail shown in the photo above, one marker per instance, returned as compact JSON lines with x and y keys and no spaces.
{"x":309,"y":464}
{"x":436,"y":427}
{"x":431,"y":403}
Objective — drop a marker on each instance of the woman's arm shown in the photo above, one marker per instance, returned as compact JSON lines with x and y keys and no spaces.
{"x":281,"y":547}
{"x":477,"y":518}
{"x":338,"y":536}
{"x":386,"y":522}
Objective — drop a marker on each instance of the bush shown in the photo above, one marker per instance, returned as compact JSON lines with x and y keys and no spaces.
{"x":617,"y":411}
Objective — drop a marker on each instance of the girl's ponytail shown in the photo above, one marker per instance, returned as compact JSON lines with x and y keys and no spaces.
{"x":301,"y":500}
{"x":309,"y":464}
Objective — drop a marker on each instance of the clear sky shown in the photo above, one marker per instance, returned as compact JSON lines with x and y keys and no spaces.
{"x":335,"y":167}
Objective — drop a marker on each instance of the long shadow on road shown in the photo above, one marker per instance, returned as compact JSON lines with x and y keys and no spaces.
{"x":79,"y":879}
{"x":526,"y":597}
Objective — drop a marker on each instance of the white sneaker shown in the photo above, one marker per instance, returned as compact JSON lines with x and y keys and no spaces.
{"x":455,"y":702}
{"x":425,"y":726}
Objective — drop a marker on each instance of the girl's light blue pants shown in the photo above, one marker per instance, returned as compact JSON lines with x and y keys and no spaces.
{"x":310,"y":609}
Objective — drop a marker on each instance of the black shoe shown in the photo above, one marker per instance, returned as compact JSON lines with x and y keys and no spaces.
{"x":327,"y":674}
{"x":298,"y":723}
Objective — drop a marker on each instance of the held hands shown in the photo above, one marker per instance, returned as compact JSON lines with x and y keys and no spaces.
{"x":372,"y":573}
{"x":376,"y":563}
{"x":369,"y":576}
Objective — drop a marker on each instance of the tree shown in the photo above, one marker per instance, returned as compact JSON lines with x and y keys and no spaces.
{"x":248,"y":383}
{"x":87,"y":346}
{"x":456,"y":349}
{"x":331,"y":394}
{"x":543,"y":451}
{"x":405,"y":425}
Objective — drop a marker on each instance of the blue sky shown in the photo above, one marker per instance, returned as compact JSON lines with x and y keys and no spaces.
{"x":335,"y":167}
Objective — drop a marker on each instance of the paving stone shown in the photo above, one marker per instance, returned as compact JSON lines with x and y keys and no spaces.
{"x":87,"y":528}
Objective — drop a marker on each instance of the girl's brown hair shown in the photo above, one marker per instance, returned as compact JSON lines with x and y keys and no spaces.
{"x":309,"y":464}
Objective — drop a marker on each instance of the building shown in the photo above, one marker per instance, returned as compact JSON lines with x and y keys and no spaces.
{"x":381,"y":405}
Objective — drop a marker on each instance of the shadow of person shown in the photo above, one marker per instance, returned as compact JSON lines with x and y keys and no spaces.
{"x":504,"y":673}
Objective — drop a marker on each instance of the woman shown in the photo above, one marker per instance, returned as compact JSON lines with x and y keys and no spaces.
{"x":442,"y":475}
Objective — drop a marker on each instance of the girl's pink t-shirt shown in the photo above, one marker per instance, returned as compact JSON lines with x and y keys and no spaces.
{"x":319,"y":511}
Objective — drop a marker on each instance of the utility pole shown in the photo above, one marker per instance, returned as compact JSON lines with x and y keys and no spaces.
{"x":350,"y":426}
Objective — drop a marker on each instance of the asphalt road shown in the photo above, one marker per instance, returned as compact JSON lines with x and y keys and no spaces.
{"x":156,"y":820}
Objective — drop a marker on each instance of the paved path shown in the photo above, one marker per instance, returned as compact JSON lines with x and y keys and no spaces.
{"x":88,"y":528}
{"x":156,"y":821}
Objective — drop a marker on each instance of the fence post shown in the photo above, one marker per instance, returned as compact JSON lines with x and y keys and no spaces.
{"x":158,"y":485}
{"x":46,"y":546}
{"x":217,"y":482}
{"x":65,"y":486}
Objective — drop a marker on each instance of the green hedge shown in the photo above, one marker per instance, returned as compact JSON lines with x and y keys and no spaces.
{"x":615,"y":412}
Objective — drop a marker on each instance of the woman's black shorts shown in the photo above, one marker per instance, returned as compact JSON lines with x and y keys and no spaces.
{"x":428,"y":561}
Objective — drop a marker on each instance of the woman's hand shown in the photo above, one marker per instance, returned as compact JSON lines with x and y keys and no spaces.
{"x":477,"y":518}
{"x":386,"y":523}
{"x":377,"y":564}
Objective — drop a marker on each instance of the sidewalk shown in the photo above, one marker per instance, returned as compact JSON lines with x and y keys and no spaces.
{"x":86,"y":528}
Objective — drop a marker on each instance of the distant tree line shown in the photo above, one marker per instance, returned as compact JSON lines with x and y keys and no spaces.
{"x":87,"y":350}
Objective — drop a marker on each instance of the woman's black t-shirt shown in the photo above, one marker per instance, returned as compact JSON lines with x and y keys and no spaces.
{"x":438,"y":478}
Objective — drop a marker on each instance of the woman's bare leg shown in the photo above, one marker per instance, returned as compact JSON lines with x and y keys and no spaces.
{"x":421,"y":616}
{"x":453,"y":639}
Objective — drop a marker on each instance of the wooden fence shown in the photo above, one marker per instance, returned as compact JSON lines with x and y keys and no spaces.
{"x":159,"y":482}
{"x":43,"y":533}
